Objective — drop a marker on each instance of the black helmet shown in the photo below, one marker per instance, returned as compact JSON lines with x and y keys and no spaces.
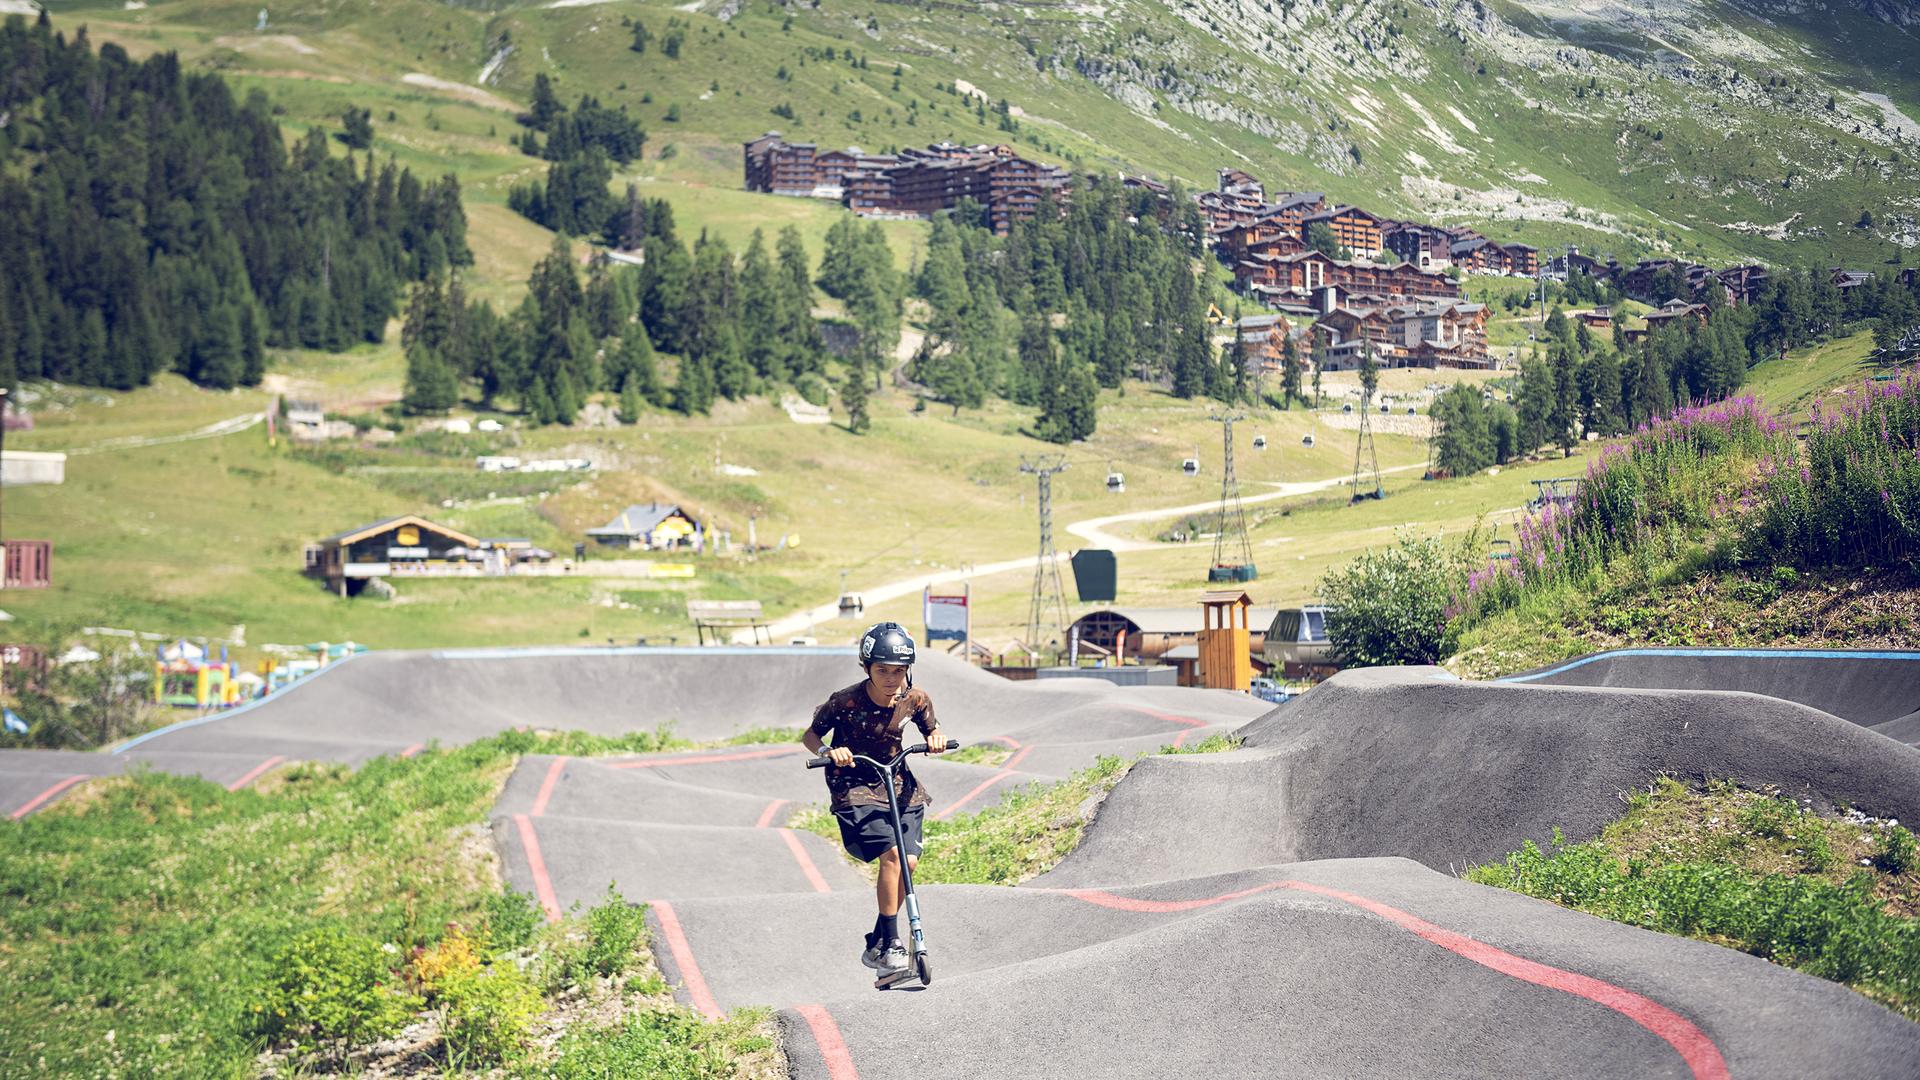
{"x":886,"y":643}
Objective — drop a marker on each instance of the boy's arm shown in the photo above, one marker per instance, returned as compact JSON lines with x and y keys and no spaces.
{"x":930,"y":725}
{"x":813,"y":741}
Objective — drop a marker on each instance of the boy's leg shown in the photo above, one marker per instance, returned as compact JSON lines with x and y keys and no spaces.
{"x":890,"y":889}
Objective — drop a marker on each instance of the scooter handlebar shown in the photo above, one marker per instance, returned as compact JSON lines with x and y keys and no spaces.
{"x":921,"y":748}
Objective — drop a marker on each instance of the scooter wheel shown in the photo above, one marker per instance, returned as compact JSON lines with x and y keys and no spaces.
{"x":923,"y":969}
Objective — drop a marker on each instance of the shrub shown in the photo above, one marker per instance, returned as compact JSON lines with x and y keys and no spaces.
{"x":511,"y":920}
{"x":1896,"y":854}
{"x":487,"y":1013}
{"x":1853,"y":499}
{"x":1390,"y":606}
{"x":445,"y":962}
{"x":615,"y":929}
{"x":813,"y":389}
{"x":335,"y":985}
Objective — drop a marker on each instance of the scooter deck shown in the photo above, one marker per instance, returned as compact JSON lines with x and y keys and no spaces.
{"x":895,"y":978}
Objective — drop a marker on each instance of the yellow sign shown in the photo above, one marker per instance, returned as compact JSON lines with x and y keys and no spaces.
{"x":671,"y":570}
{"x":408,"y":536}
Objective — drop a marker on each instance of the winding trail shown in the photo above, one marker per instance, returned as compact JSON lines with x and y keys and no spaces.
{"x":1092,"y":530}
{"x":229,"y":426}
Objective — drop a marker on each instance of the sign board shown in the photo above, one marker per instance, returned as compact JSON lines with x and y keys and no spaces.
{"x":947,"y":617}
{"x":406,"y":553}
{"x":1095,"y":575}
{"x":671,"y":570}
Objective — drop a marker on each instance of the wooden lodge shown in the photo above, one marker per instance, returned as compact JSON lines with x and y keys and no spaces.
{"x":648,"y":527}
{"x":395,"y":546}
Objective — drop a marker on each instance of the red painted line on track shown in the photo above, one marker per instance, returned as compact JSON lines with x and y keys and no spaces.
{"x":1181,"y":738}
{"x":412,"y":750}
{"x":34,"y":803}
{"x":833,"y":1048}
{"x":542,"y":885}
{"x":1693,"y":1045}
{"x":710,"y":759}
{"x":766,"y":816}
{"x":546,"y":786}
{"x":1183,"y":721}
{"x":697,"y":990}
{"x":1012,"y":744}
{"x":806,"y":862}
{"x":1005,"y":771}
{"x":254,"y":773}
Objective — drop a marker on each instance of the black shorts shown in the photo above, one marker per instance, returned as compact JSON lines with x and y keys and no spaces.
{"x":867,"y":831}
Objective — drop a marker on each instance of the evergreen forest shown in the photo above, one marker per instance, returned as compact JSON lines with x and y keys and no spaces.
{"x":152,"y":222}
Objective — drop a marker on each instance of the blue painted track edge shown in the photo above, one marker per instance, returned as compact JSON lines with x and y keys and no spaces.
{"x":1763,"y":654}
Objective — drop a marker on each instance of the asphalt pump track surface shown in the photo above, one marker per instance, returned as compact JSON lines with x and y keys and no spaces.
{"x":1285,"y":909}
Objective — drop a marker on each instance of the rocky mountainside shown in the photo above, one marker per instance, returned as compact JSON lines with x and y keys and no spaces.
{"x":1786,"y":131}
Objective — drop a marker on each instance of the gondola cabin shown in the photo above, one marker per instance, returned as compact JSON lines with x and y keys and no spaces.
{"x":1259,"y":442}
{"x":1306,"y":440}
{"x":1116,"y":482}
{"x":1191,"y":466}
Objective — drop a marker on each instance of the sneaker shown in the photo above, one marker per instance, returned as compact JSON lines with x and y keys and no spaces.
{"x":876,"y":956}
{"x":895,"y":958}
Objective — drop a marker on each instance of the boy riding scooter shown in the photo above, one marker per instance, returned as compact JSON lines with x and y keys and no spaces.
{"x":866,"y":720}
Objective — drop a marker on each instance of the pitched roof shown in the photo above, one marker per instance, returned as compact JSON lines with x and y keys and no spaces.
{"x":385,"y":524}
{"x":636,"y":520}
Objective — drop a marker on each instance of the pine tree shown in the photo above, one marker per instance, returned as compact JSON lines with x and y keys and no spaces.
{"x":430,"y":385}
{"x":760,"y":317}
{"x":630,"y":402}
{"x":544,"y":105}
{"x":853,"y":397}
{"x":1564,"y":412}
{"x":633,"y":368}
{"x":793,"y":283}
{"x":1289,"y":373}
{"x":1233,"y":381}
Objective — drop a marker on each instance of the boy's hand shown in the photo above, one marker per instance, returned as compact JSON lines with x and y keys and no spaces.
{"x":841,"y":756}
{"x":936,"y":742}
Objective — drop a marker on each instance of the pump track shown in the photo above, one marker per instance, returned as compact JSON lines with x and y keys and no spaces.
{"x":1286,"y":909}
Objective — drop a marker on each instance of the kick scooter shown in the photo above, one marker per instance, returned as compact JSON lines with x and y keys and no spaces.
{"x":919,"y":968}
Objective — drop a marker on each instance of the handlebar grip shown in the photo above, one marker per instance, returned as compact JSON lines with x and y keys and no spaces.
{"x":819,"y":762}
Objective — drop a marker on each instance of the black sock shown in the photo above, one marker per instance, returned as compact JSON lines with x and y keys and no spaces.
{"x":886,"y":928}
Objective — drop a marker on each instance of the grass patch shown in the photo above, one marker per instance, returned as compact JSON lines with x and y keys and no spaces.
{"x":344,"y":875}
{"x":1217,"y":743}
{"x":1833,"y":896}
{"x":1023,"y":835}
{"x":979,"y":753}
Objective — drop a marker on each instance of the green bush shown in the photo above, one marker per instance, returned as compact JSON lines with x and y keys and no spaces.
{"x":1771,"y":818}
{"x":487,"y":1014}
{"x":1390,"y":606}
{"x":1896,"y":854}
{"x":813,"y":389}
{"x":615,"y":929}
{"x":332,"y":984}
{"x":511,"y":920}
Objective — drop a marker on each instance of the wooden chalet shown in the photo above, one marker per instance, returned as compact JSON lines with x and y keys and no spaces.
{"x":1600,"y":318}
{"x":648,"y":527}
{"x":1674,"y":312}
{"x":1265,"y":339}
{"x":395,"y":546}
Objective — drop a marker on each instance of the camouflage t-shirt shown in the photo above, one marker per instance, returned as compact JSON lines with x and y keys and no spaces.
{"x":855,"y":722}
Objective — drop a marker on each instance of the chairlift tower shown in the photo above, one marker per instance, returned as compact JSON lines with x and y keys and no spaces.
{"x":1048,"y":593}
{"x":1366,"y":460}
{"x":1230,"y":539}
